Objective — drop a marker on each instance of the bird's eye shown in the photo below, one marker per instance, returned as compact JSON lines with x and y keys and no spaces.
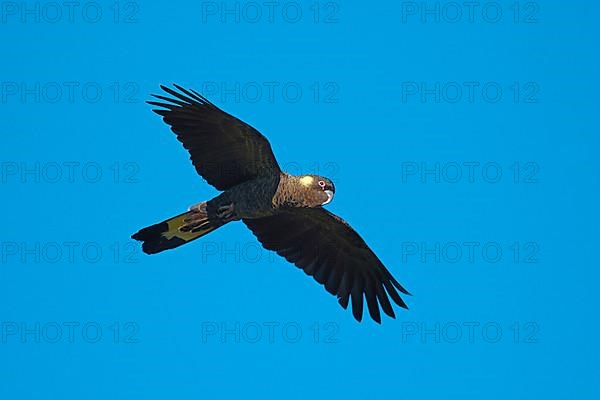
{"x":322,"y":183}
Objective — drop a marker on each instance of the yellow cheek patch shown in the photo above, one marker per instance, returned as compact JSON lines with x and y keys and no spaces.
{"x":307,"y":180}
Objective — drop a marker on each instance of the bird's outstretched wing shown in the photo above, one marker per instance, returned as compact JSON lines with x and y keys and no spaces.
{"x":224,"y":150}
{"x":326,"y":247}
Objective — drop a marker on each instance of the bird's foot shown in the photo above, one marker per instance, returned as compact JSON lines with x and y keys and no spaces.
{"x":200,"y":207}
{"x":226,"y":212}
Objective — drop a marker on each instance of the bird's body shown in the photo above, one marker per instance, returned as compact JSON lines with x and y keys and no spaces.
{"x":251,"y":199}
{"x":284,"y":211}
{"x":266,"y":196}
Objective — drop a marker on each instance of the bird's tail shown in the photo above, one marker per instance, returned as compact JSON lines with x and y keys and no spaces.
{"x":177,"y":231}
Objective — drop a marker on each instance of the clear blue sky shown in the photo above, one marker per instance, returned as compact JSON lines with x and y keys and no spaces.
{"x":464,"y":147}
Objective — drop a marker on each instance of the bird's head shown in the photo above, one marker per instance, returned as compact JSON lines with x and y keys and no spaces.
{"x":319,"y":189}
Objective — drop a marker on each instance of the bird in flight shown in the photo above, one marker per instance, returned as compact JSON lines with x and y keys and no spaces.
{"x":285,"y":212}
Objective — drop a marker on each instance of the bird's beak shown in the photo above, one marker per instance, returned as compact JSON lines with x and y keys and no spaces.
{"x":329,"y":194}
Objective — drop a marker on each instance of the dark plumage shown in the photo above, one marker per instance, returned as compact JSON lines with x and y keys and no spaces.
{"x":284,"y":211}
